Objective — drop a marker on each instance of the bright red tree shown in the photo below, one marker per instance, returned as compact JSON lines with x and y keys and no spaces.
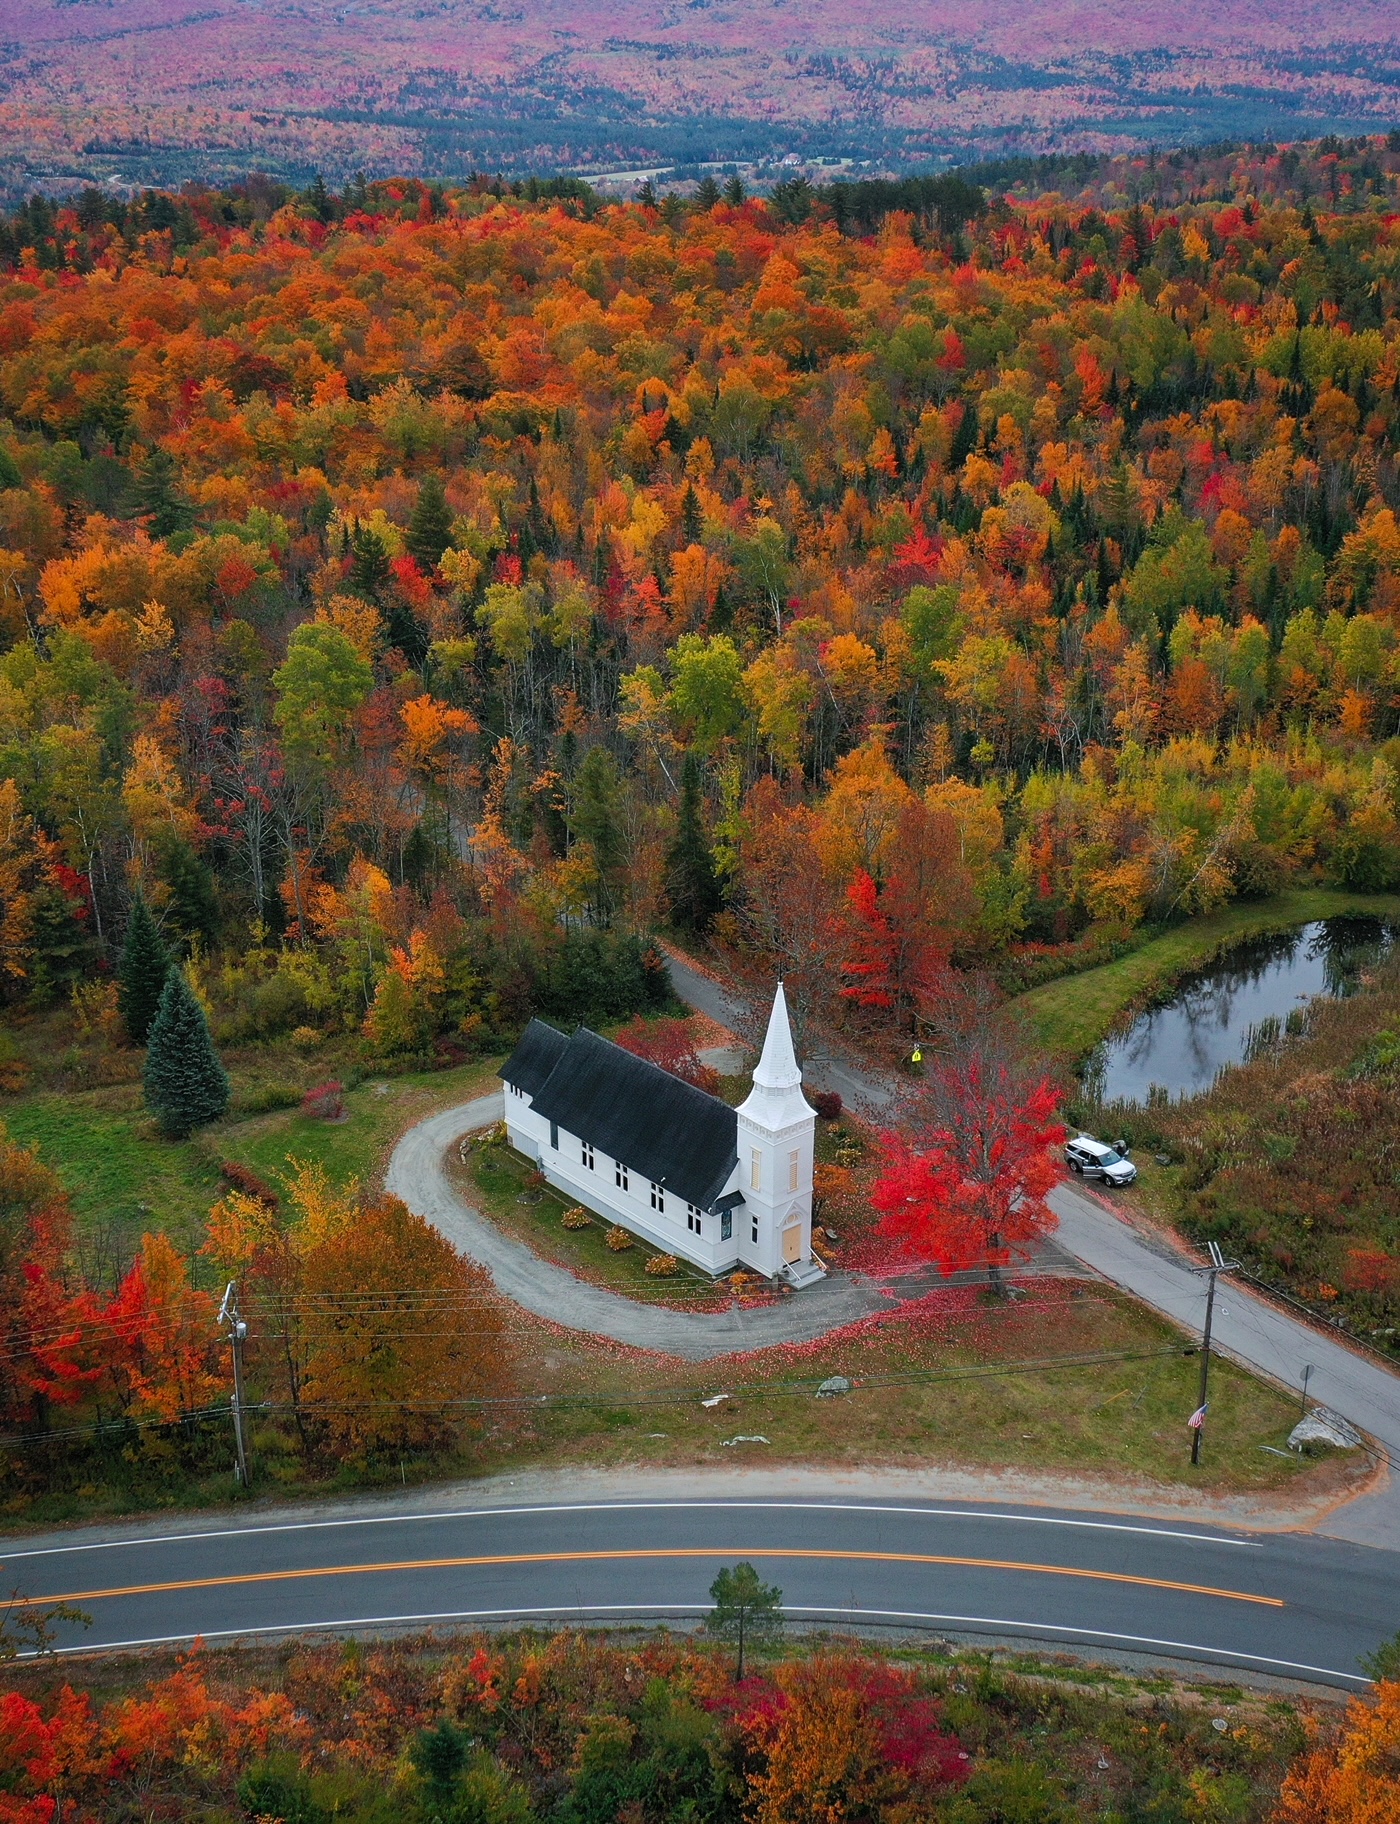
{"x":966,"y":1186}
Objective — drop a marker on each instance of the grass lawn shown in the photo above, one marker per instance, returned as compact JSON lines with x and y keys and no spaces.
{"x":494,"y":1179}
{"x":124,"y":1178}
{"x":1069,"y":1017}
{"x":932,"y":1388}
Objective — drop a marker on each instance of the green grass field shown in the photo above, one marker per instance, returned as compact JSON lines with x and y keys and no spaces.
{"x":1069,"y":1017}
{"x":125,"y":1179}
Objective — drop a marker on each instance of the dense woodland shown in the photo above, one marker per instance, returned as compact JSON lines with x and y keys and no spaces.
{"x":586,"y":1730}
{"x":419,"y":599}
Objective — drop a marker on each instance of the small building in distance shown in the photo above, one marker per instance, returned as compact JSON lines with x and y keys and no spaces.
{"x":718,"y":1186}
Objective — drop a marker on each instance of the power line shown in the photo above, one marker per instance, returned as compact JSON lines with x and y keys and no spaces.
{"x":642,"y":1399}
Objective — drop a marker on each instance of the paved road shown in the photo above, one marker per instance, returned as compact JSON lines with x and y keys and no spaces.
{"x":1252,"y":1331}
{"x":1262,"y":1336}
{"x":1287,"y":1604}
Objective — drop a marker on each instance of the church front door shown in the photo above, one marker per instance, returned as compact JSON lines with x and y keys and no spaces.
{"x":792,"y":1244}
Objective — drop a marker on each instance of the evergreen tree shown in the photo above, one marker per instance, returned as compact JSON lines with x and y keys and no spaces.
{"x":597,"y":818}
{"x":745,"y":1609}
{"x":430,"y":529}
{"x":10,"y":476}
{"x":369,"y":562}
{"x":692,"y":886}
{"x":734,"y":191}
{"x":141,"y":974}
{"x":156,"y":497}
{"x":692,"y":519}
{"x":706,"y":192}
{"x":186,"y":1085}
{"x":194,"y":907}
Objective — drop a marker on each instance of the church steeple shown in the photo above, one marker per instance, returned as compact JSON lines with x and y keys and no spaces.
{"x":776,"y":1145}
{"x":777,"y":1068}
{"x":776,"y":1099}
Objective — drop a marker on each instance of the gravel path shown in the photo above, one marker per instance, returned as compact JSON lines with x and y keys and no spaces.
{"x":418,"y":1174}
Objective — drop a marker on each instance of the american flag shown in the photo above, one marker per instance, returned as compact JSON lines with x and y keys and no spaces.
{"x":1198,"y":1418}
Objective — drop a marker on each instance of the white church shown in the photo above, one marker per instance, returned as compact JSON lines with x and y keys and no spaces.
{"x":719,"y":1186}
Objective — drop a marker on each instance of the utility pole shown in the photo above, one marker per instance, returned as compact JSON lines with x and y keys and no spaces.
{"x":1197,"y":1421}
{"x":1307,"y":1376}
{"x":238,"y":1335}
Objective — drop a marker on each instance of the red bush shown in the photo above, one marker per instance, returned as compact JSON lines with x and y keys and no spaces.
{"x":827,"y":1103}
{"x":324,"y":1103}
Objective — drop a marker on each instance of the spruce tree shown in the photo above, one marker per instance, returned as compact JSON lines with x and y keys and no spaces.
{"x":692,"y":884}
{"x":430,"y":528}
{"x":369,"y":562}
{"x":186,"y":1085}
{"x":141,"y":974}
{"x":156,"y":495}
{"x":706,"y":193}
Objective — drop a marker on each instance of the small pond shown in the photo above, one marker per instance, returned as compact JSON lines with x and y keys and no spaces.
{"x":1251,"y":996}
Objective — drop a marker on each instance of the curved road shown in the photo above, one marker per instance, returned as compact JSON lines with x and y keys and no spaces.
{"x":1289,"y":1605}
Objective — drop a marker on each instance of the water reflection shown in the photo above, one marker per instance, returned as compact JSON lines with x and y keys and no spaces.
{"x":1250,"y":998}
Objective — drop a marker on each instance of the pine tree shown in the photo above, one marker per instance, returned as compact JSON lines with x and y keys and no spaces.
{"x":734,"y":191}
{"x":692,"y":519}
{"x":692,"y":886}
{"x":141,"y":974}
{"x":369,"y":562}
{"x":156,"y":496}
{"x":706,"y":193}
{"x":430,"y":529}
{"x":186,"y":1085}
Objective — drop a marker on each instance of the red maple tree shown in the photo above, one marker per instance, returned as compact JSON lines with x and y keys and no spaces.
{"x":900,"y":932}
{"x":965,"y":1184}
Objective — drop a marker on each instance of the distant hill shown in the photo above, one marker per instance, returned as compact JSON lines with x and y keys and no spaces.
{"x":157,"y":91}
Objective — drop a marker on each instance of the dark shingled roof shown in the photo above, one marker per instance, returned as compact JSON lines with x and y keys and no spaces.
{"x":637,"y":1113}
{"x":539,"y":1050}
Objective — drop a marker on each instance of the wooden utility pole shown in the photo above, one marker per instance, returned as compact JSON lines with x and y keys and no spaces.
{"x":1218,"y":1265}
{"x":238,"y":1335}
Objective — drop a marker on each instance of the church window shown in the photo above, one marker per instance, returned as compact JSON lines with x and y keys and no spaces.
{"x":755,"y":1170}
{"x":554,"y":1135}
{"x":794,"y":1169}
{"x":658,"y":1198}
{"x":755,"y":1230}
{"x":692,"y":1219}
{"x":587,"y":1154}
{"x":621,"y":1175}
{"x":726,"y":1225}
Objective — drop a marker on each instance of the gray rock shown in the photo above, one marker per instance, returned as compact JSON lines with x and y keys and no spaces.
{"x":836,"y":1383}
{"x":1323,"y":1426}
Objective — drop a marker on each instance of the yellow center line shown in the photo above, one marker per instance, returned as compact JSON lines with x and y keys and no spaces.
{"x":681,"y":1551}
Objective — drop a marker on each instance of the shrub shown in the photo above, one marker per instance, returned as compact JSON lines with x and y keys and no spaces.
{"x":577,"y":1218}
{"x":662,"y":1266}
{"x":305,"y":1038}
{"x":243,"y":1178}
{"x":267,"y":1097}
{"x":827,"y":1103}
{"x":326,"y":1102}
{"x":620,"y":1239}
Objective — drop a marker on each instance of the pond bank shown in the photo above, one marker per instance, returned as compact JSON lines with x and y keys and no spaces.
{"x":1070,"y":1016}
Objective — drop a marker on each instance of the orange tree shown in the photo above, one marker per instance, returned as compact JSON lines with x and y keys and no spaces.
{"x":1355,"y":1778}
{"x":400,"y":1329}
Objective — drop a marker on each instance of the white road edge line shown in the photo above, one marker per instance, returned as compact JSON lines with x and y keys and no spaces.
{"x":1054,"y":1629}
{"x":612,"y":1507}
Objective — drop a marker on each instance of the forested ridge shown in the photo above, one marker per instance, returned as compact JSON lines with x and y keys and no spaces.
{"x":370,"y":578}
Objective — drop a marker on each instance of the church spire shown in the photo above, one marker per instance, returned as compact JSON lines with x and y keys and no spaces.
{"x":777,"y":1068}
{"x":776,"y":1099}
